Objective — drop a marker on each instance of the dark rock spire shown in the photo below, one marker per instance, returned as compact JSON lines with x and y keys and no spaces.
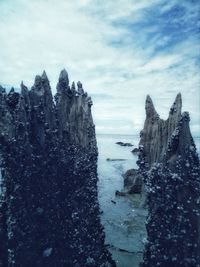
{"x":12,"y":98}
{"x":73,"y":88}
{"x":63,"y":77}
{"x":170,"y":167}
{"x":44,"y":76}
{"x":63,"y":87}
{"x":177,"y":106}
{"x":25,"y":94}
{"x":149,"y":107}
{"x":80,"y":88}
{"x":49,"y":211}
{"x":63,"y":81}
{"x":74,"y":116}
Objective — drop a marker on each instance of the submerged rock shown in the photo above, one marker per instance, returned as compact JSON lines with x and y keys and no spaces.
{"x":135,"y":151}
{"x":170,"y":167}
{"x":49,"y":211}
{"x":124,"y":144}
{"x":120,"y":193}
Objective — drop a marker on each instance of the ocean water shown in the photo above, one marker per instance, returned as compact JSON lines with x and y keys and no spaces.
{"x":122,"y":218}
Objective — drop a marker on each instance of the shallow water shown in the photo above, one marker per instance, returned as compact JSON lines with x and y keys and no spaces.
{"x":123,"y":220}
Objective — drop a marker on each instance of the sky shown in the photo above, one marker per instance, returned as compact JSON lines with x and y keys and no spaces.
{"x":121,"y":50}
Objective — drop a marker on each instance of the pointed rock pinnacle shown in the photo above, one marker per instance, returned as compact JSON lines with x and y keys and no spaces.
{"x":149,"y":107}
{"x":177,"y":105}
{"x":44,"y":76}
{"x":64,"y":76}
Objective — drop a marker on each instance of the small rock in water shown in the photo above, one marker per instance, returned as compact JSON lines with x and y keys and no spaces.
{"x":120,"y":193}
{"x":135,"y":150}
{"x":124,"y":144}
{"x":108,"y":159}
{"x":133,"y":181}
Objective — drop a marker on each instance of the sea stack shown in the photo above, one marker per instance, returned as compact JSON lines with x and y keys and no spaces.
{"x":157,"y":132}
{"x":170,"y":167}
{"x":49,"y":211}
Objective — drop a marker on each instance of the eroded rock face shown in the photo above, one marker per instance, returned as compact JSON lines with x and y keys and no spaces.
{"x":170,"y":166}
{"x":155,"y":137}
{"x":157,"y":132}
{"x":49,"y":212}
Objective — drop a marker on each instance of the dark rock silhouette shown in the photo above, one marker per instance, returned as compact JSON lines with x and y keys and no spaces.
{"x":133,"y":181}
{"x":49,"y":212}
{"x":123,"y":144}
{"x":120,"y":193}
{"x":170,"y":167}
{"x":135,"y":151}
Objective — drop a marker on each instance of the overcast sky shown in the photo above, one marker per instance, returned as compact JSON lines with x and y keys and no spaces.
{"x":120,"y":50}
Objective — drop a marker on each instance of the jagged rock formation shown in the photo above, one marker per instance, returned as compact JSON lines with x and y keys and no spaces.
{"x":49,"y":212}
{"x":157,"y":132}
{"x":154,"y":139}
{"x":170,"y":166}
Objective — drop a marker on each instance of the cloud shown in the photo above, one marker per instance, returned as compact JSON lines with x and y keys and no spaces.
{"x":121,"y":50}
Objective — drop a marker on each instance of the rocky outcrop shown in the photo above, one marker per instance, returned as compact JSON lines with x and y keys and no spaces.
{"x":155,"y":136}
{"x":157,"y":132}
{"x":170,"y":166}
{"x":133,"y":181}
{"x":74,"y":113}
{"x":49,"y":212}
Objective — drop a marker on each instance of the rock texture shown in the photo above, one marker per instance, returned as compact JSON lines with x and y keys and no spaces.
{"x":49,"y":212}
{"x":157,"y":132}
{"x":170,"y":166}
{"x":133,"y":181}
